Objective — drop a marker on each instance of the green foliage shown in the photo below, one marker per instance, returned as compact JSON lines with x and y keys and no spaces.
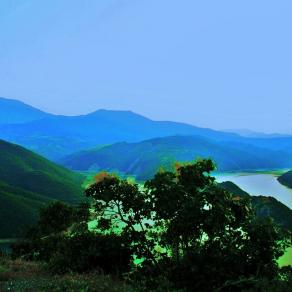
{"x":61,"y":239}
{"x":57,"y":217}
{"x":183,"y":227}
{"x":87,"y":251}
{"x":180,"y":231}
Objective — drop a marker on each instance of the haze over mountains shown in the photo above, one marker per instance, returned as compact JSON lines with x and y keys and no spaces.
{"x":16,"y":112}
{"x":56,"y":136}
{"x":146,"y":145}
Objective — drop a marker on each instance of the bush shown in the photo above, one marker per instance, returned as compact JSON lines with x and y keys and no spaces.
{"x":88,"y":251}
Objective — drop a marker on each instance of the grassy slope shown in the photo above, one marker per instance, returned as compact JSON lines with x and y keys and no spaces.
{"x":27,"y":182}
{"x":24,"y":169}
{"x":18,"y":209}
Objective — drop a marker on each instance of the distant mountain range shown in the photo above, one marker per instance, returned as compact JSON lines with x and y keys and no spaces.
{"x":16,"y":112}
{"x":252,"y":134}
{"x":27,"y":182}
{"x":146,"y":143}
{"x":56,"y":136}
{"x":119,"y":141}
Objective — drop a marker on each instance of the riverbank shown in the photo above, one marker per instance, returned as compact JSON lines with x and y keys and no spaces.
{"x":260,"y":183}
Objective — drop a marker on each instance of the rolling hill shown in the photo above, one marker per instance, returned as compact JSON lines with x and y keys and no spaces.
{"x":143,"y":159}
{"x":57,"y":136}
{"x":27,"y":182}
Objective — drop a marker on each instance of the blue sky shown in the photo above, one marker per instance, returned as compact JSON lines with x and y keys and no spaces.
{"x":219,"y":64}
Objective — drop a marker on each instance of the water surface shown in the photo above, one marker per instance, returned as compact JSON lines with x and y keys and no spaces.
{"x":259,"y":184}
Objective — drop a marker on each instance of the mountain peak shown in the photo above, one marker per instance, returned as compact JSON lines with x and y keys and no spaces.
{"x":13,"y":111}
{"x":116,"y":114}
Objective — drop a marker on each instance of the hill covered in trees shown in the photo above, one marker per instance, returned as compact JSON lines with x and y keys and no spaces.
{"x":286,"y":179}
{"x":144,"y":158}
{"x":27,"y":182}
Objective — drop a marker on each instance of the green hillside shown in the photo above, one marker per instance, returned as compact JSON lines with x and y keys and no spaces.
{"x":27,"y":182}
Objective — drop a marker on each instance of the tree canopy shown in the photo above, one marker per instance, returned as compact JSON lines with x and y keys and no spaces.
{"x":181,"y":225}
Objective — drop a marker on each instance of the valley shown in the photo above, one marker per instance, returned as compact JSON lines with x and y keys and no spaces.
{"x":145,"y":146}
{"x":71,"y":150}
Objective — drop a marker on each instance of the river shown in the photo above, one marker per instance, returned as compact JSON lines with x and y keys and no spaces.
{"x":259,"y":184}
{"x":262,"y":184}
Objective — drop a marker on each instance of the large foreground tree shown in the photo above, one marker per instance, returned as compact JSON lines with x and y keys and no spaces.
{"x":182,"y":227}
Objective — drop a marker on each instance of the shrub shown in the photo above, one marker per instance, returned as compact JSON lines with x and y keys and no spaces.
{"x":88,"y":251}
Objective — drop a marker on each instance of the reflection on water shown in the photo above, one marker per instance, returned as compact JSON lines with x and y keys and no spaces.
{"x":260,"y":184}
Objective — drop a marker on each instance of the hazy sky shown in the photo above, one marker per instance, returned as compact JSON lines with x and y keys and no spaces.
{"x":219,"y":64}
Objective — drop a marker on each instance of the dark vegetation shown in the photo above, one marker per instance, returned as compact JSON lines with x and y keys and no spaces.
{"x":180,"y":232}
{"x":286,"y":179}
{"x":20,"y":275}
{"x":27,"y":182}
{"x":264,"y":206}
